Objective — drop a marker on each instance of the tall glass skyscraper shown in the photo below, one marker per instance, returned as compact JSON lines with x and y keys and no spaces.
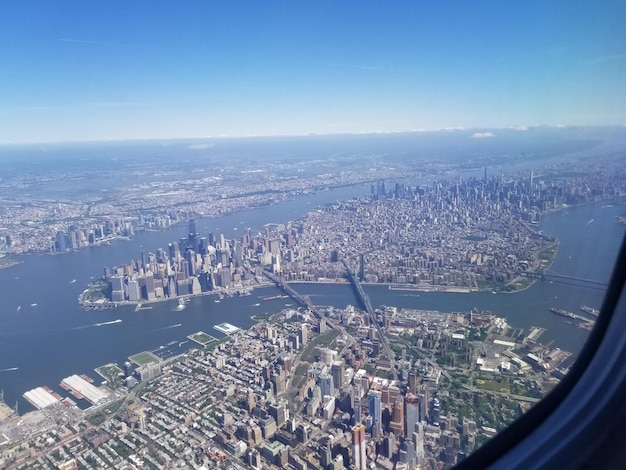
{"x":376,"y":411}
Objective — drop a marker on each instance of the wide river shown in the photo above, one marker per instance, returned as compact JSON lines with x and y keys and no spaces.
{"x":45,"y":336}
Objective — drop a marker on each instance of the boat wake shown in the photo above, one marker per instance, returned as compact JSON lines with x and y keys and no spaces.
{"x":109,"y":322}
{"x":98,"y":324}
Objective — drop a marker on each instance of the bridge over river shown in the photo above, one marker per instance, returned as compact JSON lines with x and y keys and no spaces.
{"x":552,"y":276}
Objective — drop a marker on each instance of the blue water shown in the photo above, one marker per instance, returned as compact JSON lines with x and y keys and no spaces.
{"x":56,"y":338}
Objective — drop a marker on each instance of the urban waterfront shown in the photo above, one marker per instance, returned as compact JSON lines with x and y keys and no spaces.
{"x":43,"y":343}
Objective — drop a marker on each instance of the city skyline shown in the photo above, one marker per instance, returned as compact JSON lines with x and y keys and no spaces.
{"x":209,"y":70}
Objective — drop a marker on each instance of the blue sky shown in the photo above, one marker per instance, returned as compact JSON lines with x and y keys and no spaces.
{"x":87,"y":70}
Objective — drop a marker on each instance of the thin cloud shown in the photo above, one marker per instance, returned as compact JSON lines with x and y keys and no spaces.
{"x":201,"y":146}
{"x":95,"y":43}
{"x":35,"y":108}
{"x":482,"y":135}
{"x":362,"y":67}
{"x":606,"y":58}
{"x":108,"y":44}
{"x":114,"y":104}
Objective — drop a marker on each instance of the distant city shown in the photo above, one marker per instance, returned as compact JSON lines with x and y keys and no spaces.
{"x":457,"y":236}
{"x":309,"y":386}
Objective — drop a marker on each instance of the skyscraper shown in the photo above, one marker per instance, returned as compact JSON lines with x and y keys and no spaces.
{"x":418,"y":439}
{"x":357,"y":407}
{"x":193,"y":233}
{"x":203,"y":246}
{"x":412,"y":382}
{"x":358,"y":447}
{"x":397,"y":417}
{"x":361,"y":267}
{"x":424,"y":411}
{"x":304,"y":334}
{"x":376,"y":411}
{"x":174,"y":250}
{"x":327,"y":385}
{"x":337,"y":372}
{"x":412,"y":414}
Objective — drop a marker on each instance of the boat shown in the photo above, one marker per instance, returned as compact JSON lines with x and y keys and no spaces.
{"x":72,"y":281}
{"x":563,"y":313}
{"x":590,"y":310}
{"x":274,"y":297}
{"x":33,"y":305}
{"x":19,"y":307}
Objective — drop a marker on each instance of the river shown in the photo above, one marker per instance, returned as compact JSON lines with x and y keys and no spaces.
{"x":43,"y":343}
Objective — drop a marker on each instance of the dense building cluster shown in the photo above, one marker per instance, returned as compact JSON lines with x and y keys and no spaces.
{"x":152,"y":194}
{"x":290,"y":394}
{"x":454,"y":235}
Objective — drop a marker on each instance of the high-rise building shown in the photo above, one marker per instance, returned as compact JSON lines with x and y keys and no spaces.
{"x":375,"y":411}
{"x":327,"y":356}
{"x":225,"y":277}
{"x":304,"y":334}
{"x":412,"y":414}
{"x":174,"y":250}
{"x":418,"y":439}
{"x":424,"y":411}
{"x":117,"y":288}
{"x":61,"y":242}
{"x":326,"y":384}
{"x":149,"y":287}
{"x":359,"y":459}
{"x":190,"y":256}
{"x":338,"y":373}
{"x":193,"y":233}
{"x":397,"y":417}
{"x":274,"y":247}
{"x":134,"y":293}
{"x":203,"y":246}
{"x":361,"y":267}
{"x":254,"y":459}
{"x":357,"y":407}
{"x":412,"y":382}
{"x":184,"y":268}
{"x":325,"y":457}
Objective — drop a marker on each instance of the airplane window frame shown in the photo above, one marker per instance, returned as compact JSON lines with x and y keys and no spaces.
{"x":554,"y":432}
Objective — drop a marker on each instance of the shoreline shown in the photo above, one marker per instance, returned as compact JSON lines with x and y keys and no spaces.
{"x":10,"y":263}
{"x":408,"y":287}
{"x":109,"y":304}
